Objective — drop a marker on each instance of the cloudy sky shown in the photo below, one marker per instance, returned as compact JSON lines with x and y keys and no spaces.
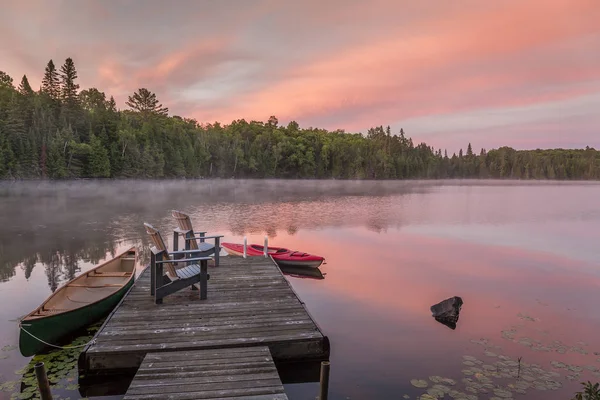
{"x":523,"y":73}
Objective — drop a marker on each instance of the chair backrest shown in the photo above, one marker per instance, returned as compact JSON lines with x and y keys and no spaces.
{"x":159,"y":243}
{"x":185,"y":224}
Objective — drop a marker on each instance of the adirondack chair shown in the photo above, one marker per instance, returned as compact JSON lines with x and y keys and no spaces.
{"x":178,"y":278}
{"x":193,"y":240}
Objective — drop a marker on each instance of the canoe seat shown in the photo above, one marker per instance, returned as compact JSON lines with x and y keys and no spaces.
{"x":109,"y":274}
{"x":127,"y":258}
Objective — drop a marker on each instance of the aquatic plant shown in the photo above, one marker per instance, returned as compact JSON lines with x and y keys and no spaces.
{"x":60,"y":365}
{"x":590,"y":392}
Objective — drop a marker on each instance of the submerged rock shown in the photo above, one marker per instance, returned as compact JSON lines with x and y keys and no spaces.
{"x":447,"y":311}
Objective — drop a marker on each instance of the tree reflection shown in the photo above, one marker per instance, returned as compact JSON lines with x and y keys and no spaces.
{"x":62,"y":224}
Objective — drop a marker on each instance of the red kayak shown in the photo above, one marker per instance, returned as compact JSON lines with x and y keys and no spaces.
{"x":280,"y":255}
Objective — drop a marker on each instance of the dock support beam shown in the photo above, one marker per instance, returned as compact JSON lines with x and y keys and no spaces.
{"x":324,"y":389}
{"x":42,"y":379}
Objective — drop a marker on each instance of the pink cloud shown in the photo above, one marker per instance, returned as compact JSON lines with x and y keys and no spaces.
{"x":350,"y":65}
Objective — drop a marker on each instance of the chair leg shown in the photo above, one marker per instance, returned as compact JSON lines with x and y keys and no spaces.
{"x":203,"y":280}
{"x":152,"y":274}
{"x":217,"y":251}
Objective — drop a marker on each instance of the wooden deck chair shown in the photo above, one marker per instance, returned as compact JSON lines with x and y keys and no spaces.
{"x":179,"y":278}
{"x":195,"y":240}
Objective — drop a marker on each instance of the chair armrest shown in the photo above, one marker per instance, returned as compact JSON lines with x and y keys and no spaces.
{"x":185,"y":260}
{"x":205,"y":237}
{"x":191,"y":251}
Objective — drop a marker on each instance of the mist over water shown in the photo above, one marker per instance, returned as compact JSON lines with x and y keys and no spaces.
{"x":393,"y":249}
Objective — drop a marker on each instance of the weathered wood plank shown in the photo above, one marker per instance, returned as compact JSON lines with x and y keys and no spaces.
{"x":264,"y":393}
{"x":217,"y":341}
{"x":201,"y":329}
{"x":207,"y":374}
{"x":291,"y":314}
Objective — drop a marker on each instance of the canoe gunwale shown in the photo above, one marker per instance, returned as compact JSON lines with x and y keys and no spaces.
{"x":31,"y":316}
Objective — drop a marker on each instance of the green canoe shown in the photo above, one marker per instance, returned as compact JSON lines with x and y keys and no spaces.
{"x":78,"y":303}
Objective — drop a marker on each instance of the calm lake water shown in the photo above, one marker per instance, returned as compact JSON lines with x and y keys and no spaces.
{"x":524,"y":257}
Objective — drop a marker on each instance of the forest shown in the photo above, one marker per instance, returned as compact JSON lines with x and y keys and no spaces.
{"x":62,"y":132}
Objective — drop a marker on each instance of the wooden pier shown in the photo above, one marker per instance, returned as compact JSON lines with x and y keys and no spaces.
{"x":250,"y":303}
{"x":246,"y":373}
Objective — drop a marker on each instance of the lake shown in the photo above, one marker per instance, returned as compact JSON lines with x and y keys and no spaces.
{"x":523,"y":256}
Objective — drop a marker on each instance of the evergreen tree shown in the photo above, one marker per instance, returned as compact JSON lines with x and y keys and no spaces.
{"x":68,"y":95}
{"x":68,"y":88}
{"x":112,"y":104}
{"x":99,"y":163}
{"x":57,"y":167}
{"x":5,"y":80}
{"x":51,"y":81}
{"x":146,"y":103}
{"x":24,"y":87}
{"x":61,"y":134}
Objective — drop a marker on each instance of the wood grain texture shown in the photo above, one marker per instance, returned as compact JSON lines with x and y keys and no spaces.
{"x":250,"y":303}
{"x":244,"y":373}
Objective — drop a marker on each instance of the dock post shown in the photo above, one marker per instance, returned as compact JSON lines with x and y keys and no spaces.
{"x":266,"y":246}
{"x":245,"y":245}
{"x":324,"y":389}
{"x":42,"y":379}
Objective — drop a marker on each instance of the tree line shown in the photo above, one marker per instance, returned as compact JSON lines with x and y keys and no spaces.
{"x":60,"y":132}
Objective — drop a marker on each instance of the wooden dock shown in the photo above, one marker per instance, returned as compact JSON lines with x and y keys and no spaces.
{"x":246,"y":373}
{"x":250,"y":303}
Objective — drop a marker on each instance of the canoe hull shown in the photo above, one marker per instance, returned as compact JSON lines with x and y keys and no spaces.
{"x":281,"y":256}
{"x":52,"y":323}
{"x":298,"y":263}
{"x":252,"y":250}
{"x":53,"y":328}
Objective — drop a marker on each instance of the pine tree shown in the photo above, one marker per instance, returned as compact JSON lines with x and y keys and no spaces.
{"x":15,"y":125}
{"x":51,"y":81}
{"x":469,"y":151}
{"x":145,"y":102}
{"x":68,"y":88}
{"x":68,"y":94}
{"x":57,"y":167}
{"x":25,"y":87}
{"x":5,"y":80}
{"x":99,"y":163}
{"x":112,"y":104}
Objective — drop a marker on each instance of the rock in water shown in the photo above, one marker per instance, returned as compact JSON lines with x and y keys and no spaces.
{"x":447,"y":311}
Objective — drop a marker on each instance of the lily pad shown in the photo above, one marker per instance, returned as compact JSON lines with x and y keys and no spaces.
{"x":436,"y":392}
{"x":504,"y":394}
{"x":420,"y":383}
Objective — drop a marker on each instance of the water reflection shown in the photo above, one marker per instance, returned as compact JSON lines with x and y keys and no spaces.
{"x":302,"y":273}
{"x":57,"y":224}
{"x":393,"y":249}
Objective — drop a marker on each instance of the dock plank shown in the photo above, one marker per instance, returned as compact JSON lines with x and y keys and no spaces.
{"x":208,"y":374}
{"x":250,"y":303}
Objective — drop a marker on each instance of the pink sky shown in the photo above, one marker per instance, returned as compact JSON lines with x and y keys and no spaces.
{"x":511,"y":72}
